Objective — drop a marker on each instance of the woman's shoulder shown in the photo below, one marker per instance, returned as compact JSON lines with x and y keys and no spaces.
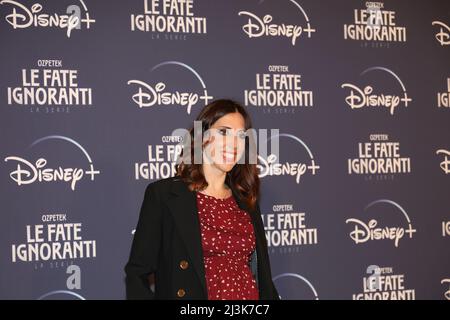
{"x":166,"y":185}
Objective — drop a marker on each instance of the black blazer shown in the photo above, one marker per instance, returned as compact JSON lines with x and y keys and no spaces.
{"x":167,"y":242}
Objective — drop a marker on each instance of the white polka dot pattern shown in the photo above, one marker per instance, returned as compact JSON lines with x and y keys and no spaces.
{"x":228,"y":240}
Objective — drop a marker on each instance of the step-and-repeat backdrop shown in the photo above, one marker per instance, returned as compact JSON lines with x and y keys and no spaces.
{"x":356,"y":206}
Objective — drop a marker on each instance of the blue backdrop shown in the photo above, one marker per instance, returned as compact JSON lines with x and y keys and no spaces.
{"x":355,"y":207}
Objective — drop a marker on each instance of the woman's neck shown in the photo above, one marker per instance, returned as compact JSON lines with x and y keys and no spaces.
{"x":216,"y":181}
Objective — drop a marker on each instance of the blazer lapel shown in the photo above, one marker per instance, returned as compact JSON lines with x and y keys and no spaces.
{"x":184,"y":209}
{"x":253,"y":214}
{"x":257,"y":230}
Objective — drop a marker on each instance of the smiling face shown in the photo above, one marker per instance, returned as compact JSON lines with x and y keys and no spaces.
{"x":225,"y":142}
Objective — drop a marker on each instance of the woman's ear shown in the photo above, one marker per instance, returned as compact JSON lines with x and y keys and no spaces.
{"x":208,"y":150}
{"x":208,"y":140}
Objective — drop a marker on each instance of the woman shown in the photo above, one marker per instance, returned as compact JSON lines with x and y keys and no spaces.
{"x":200,"y":233}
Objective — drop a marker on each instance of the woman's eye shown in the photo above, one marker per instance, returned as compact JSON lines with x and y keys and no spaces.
{"x":224,"y":132}
{"x":229,"y":132}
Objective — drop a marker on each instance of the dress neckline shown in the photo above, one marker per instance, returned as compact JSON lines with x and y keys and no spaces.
{"x":215,"y":198}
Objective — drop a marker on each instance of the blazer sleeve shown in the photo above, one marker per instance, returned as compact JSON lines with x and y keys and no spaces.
{"x":274,"y":292}
{"x":145,"y":248}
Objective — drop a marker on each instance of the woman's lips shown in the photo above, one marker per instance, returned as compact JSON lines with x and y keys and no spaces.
{"x":229,"y":156}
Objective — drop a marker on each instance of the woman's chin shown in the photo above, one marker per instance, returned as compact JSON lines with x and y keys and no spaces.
{"x":225,"y":166}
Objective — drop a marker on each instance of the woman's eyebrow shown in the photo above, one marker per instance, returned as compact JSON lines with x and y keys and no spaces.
{"x":226,"y":127}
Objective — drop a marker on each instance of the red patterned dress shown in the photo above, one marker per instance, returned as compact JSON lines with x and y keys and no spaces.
{"x":228,"y":240}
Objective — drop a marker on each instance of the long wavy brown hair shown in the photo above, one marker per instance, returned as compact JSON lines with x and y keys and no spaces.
{"x":243,"y":177}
